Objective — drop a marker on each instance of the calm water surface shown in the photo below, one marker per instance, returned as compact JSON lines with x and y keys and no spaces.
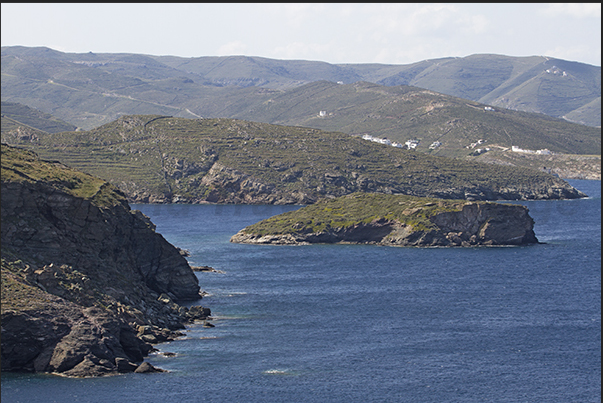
{"x":356,"y":323}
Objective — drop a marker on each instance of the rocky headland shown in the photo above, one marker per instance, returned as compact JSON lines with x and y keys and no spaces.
{"x":87,"y":284}
{"x":163,"y":159}
{"x":396,"y":220}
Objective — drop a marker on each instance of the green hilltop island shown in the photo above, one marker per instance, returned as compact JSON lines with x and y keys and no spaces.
{"x":396,"y":220}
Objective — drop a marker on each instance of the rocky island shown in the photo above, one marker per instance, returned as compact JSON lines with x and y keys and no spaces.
{"x":87,"y":284}
{"x":396,"y":220}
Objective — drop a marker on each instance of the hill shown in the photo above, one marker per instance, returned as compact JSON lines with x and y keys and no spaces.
{"x":403,"y":113}
{"x":541,"y":84}
{"x":90,"y":89}
{"x":87,"y":283}
{"x":166,"y":159}
{"x":14,"y":114}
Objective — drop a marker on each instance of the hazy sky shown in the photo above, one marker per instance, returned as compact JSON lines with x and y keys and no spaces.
{"x":331,"y":32}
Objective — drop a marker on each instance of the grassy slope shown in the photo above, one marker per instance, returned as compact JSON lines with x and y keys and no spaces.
{"x":403,"y":113}
{"x":22,"y":114}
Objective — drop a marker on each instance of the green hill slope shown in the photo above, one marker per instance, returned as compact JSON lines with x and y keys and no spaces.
{"x":539,"y":84}
{"x":166,"y":159}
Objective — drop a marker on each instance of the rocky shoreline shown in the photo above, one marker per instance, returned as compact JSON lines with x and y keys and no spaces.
{"x":88,"y":286}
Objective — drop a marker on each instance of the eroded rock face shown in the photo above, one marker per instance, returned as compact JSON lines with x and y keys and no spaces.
{"x":232,"y":186}
{"x":85,"y":277}
{"x":43,"y":222}
{"x":63,"y":337}
{"x":491,"y":224}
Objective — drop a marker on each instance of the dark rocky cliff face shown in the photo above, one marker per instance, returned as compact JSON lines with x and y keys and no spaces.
{"x":107,"y":281}
{"x":115,"y":245}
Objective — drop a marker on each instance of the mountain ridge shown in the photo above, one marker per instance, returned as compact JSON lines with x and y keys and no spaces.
{"x":567,"y":87}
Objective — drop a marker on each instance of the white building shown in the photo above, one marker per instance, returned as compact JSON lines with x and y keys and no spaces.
{"x":412,"y":144}
{"x":478,"y":142}
{"x":542,"y":151}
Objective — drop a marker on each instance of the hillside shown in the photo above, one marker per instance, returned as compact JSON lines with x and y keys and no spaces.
{"x":166,"y":159}
{"x":403,"y":113}
{"x":90,"y":89}
{"x":87,"y":283}
{"x":14,"y":114}
{"x":539,"y":84}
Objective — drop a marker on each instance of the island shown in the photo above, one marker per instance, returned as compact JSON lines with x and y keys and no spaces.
{"x":396,"y":220}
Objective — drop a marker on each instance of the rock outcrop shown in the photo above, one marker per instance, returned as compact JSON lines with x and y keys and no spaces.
{"x":460,"y":224}
{"x":105,"y":276}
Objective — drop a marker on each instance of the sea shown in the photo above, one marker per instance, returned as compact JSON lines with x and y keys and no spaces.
{"x":368,"y":323}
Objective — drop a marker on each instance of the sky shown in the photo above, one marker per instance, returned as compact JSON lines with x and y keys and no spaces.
{"x":398,"y":33}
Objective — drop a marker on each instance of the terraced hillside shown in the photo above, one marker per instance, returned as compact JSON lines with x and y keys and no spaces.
{"x":165,"y":159}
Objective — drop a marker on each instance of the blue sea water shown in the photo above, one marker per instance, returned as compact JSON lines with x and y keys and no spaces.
{"x":360,"y":323}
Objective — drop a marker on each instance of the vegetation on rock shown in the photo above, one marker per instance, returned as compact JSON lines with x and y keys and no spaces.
{"x":396,"y":220}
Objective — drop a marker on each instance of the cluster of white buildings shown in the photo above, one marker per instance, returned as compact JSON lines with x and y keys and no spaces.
{"x":410,"y":144}
{"x":543,"y":151}
{"x":556,"y":70}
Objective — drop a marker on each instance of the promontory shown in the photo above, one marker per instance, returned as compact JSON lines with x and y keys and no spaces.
{"x":396,"y":220}
{"x":88,"y":286}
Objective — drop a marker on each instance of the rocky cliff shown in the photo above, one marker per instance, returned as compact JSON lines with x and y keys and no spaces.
{"x":396,"y":221}
{"x":87,"y":283}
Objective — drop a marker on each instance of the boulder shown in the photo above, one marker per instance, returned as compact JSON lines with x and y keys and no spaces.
{"x":146,"y":368}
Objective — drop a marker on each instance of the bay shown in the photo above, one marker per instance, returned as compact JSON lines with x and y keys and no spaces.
{"x":361,"y":323}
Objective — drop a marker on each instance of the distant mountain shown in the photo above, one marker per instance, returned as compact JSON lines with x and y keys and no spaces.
{"x":14,"y":114}
{"x":92,"y":89}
